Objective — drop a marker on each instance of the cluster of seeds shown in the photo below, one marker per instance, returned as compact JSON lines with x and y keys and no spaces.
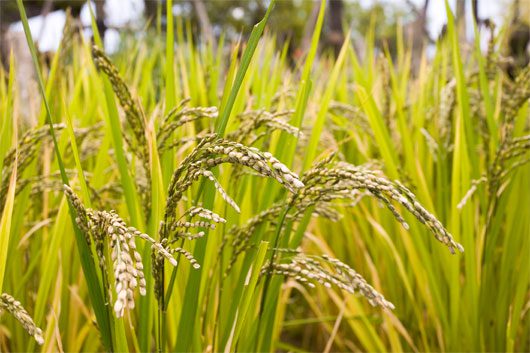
{"x":211,"y":152}
{"x":323,"y":186}
{"x":445,"y":111}
{"x":180,"y":182}
{"x":240,"y":235}
{"x":132,"y":112}
{"x":40,"y":183}
{"x":179,"y":116}
{"x":158,"y":267}
{"x":354,"y":116}
{"x":127,"y":262}
{"x":386,"y":101}
{"x":471,"y":191}
{"x":81,"y":218}
{"x":492,"y":64}
{"x":342,"y":179}
{"x":173,"y":230}
{"x":514,"y":97}
{"x":197,"y":224}
{"x":205,"y":213}
{"x":179,"y":229}
{"x":188,"y":235}
{"x":27,"y":147}
{"x":14,"y":307}
{"x":26,"y":151}
{"x":512,"y":151}
{"x":133,"y":116}
{"x":477,"y":112}
{"x":285,"y":95}
{"x":87,"y":139}
{"x":187,"y":255}
{"x":69,"y":37}
{"x":328,"y":272}
{"x":355,"y":281}
{"x":252,"y":121}
{"x":327,"y":182}
{"x":23,"y":154}
{"x":209,"y":175}
{"x":262,"y":162}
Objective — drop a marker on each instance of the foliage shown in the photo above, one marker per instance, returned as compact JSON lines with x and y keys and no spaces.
{"x":336,"y":177}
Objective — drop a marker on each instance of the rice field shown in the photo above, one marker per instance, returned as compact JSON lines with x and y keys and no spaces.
{"x":218,"y":197}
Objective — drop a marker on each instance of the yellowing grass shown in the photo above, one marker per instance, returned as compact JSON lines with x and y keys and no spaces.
{"x":437,"y":128}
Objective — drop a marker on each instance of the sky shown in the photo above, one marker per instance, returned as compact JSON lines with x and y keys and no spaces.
{"x":437,"y":14}
{"x":123,"y":12}
{"x":119,"y":13}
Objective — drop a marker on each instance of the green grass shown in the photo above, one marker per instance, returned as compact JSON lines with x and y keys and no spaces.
{"x":437,"y":127}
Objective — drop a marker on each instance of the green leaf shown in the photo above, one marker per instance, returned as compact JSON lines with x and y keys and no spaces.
{"x":85,"y":255}
{"x":5,"y":223}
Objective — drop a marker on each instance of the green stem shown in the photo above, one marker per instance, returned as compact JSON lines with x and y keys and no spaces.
{"x":85,"y":254}
{"x":277,"y":236}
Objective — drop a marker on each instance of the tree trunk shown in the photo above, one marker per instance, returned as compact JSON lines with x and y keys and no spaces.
{"x":461,"y":19}
{"x":335,"y":37}
{"x":204,"y":20}
{"x":151,"y":8}
{"x":100,"y":18}
{"x":476,"y":17}
{"x":309,"y":28}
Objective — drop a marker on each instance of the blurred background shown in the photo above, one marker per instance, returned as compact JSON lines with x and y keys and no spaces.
{"x":292,"y":21}
{"x":479,"y":301}
{"x":422,"y":20}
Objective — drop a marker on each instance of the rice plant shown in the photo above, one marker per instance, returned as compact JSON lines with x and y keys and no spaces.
{"x":176,"y":197}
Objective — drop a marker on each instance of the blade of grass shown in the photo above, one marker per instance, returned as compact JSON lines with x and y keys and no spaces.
{"x":250,"y":283}
{"x":6,"y":135}
{"x":5,"y":222}
{"x":463,"y":169}
{"x":318,"y":126}
{"x":85,"y":255}
{"x":252,"y":43}
{"x":170,"y":55}
{"x":189,"y":314}
{"x":6,"y":132}
{"x":286,"y":147}
{"x":113,"y":120}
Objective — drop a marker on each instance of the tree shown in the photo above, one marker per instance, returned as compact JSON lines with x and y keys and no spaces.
{"x":518,"y":40}
{"x":461,"y":19}
{"x":204,"y":20}
{"x":335,"y":34}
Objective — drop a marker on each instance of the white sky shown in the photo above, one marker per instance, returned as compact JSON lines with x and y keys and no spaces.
{"x":123,"y":12}
{"x":119,"y":13}
{"x":493,"y":9}
{"x":486,"y":9}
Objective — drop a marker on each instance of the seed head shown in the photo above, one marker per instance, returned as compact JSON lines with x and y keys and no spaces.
{"x":7,"y":302}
